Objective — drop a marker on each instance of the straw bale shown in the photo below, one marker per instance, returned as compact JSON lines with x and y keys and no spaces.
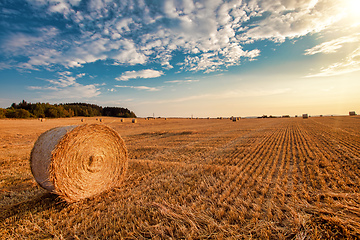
{"x":77,"y":162}
{"x":134,"y":120}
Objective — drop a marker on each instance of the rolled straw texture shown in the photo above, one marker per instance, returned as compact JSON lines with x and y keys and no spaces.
{"x":77,"y":162}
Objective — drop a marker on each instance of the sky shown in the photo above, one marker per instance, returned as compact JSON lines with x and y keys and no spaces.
{"x":182,"y":58}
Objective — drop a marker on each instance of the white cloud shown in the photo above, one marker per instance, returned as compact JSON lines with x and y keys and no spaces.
{"x":75,"y":91}
{"x":150,"y":89}
{"x":182,"y":81}
{"x":348,"y":65}
{"x":146,"y":73}
{"x":64,"y":80}
{"x":18,"y":42}
{"x":66,"y":87}
{"x":333,"y":45}
{"x":80,"y":75}
{"x":211,"y":34}
{"x":295,"y":18}
{"x":42,"y":88}
{"x":57,"y":6}
{"x":351,"y":63}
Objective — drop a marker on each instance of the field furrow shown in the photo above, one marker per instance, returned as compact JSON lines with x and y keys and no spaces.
{"x":282,"y":178}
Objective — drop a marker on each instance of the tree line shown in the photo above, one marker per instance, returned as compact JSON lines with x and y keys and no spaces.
{"x":47,"y":110}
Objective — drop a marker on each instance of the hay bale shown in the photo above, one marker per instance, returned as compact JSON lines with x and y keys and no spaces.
{"x":82,"y":120}
{"x":43,"y":120}
{"x":122,"y":120}
{"x":77,"y":162}
{"x":134,"y":120}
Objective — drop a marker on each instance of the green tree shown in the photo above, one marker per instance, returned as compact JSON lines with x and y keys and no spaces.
{"x":22,"y":113}
{"x":2,"y":113}
{"x":51,"y":112}
{"x":38,"y":110}
{"x":10,"y":112}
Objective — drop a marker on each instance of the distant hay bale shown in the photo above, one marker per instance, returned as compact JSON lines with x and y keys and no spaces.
{"x":77,"y":162}
{"x":134,"y":121}
{"x":122,"y":120}
{"x":82,"y":120}
{"x":43,"y":120}
{"x":101,"y":120}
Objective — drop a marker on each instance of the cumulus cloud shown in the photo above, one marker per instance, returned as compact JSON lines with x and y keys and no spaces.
{"x":211,"y":34}
{"x":291,"y":19}
{"x":80,"y":75}
{"x":146,"y":73}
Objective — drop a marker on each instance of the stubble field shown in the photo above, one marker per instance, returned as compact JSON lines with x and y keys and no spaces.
{"x":288,"y":178}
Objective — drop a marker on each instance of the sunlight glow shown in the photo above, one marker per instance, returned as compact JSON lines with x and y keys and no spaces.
{"x":353,"y":7}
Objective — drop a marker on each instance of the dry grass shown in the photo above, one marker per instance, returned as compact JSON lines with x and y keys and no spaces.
{"x":198,"y":179}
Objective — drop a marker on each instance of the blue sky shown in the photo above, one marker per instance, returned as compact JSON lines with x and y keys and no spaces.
{"x":183,"y":57}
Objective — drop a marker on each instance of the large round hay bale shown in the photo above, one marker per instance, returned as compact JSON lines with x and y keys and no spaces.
{"x":78,"y":162}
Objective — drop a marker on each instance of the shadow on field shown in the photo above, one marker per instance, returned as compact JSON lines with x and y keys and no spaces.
{"x":38,"y":204}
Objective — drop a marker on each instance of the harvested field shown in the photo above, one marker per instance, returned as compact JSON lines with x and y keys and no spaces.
{"x":288,"y":178}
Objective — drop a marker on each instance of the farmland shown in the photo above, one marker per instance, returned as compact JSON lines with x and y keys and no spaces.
{"x":284,"y":178}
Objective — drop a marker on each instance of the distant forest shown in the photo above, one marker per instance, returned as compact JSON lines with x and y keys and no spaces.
{"x":47,"y":110}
